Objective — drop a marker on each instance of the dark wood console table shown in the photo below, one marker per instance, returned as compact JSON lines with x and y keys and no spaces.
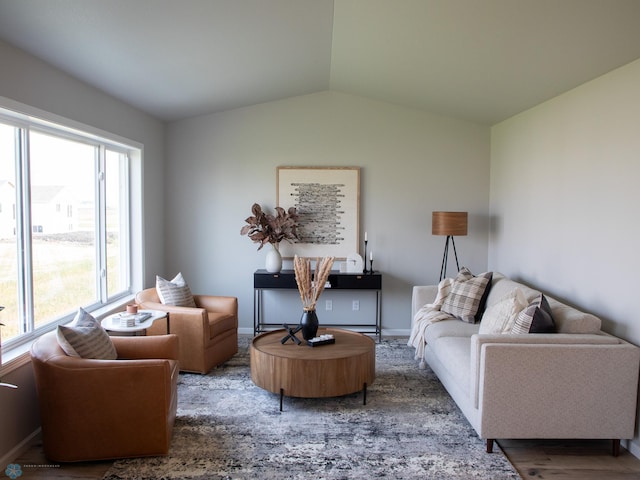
{"x":286,"y":279}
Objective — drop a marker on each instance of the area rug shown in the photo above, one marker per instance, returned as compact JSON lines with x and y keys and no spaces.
{"x":227,"y":428}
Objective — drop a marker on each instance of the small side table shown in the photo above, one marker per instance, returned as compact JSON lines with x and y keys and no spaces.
{"x":112,"y":322}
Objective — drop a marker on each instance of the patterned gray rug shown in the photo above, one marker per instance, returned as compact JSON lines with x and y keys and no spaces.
{"x":227,"y":428}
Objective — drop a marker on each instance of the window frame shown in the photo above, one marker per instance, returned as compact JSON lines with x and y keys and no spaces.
{"x":26,"y":119}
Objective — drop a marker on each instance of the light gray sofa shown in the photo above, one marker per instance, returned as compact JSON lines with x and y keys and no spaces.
{"x":579,"y":383}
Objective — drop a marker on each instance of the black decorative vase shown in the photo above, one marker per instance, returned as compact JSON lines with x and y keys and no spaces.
{"x":309,"y":324}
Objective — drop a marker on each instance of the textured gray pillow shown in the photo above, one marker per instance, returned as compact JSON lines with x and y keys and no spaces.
{"x":468,"y":295}
{"x":175,"y":292}
{"x":85,"y":338}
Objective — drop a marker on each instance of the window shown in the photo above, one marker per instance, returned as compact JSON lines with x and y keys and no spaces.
{"x":65,"y":236}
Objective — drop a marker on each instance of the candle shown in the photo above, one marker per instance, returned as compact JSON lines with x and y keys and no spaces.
{"x":365,"y":236}
{"x":371,"y":256}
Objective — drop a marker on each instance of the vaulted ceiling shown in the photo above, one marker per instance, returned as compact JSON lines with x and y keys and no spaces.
{"x":480,"y":60}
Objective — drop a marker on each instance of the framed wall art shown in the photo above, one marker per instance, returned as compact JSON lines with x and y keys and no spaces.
{"x":328,"y":203}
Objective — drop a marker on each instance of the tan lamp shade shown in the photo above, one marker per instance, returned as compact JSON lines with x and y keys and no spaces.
{"x":449,"y":223}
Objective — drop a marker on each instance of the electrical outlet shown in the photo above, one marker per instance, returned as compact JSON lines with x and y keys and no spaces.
{"x":356,"y":305}
{"x":328,"y":305}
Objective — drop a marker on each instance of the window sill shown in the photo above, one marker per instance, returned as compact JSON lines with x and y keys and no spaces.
{"x":18,"y":355}
{"x":14,"y":359}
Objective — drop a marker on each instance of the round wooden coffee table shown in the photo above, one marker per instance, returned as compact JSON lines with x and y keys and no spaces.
{"x":345,"y":367}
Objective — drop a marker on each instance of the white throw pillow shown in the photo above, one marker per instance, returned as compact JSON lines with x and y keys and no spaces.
{"x":175,"y":292}
{"x":501,"y":316}
{"x":85,"y":338}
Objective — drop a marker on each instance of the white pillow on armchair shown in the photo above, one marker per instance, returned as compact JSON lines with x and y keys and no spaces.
{"x":175,"y":292}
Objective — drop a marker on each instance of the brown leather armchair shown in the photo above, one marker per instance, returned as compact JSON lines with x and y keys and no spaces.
{"x":106,"y":409}
{"x":208,"y":334}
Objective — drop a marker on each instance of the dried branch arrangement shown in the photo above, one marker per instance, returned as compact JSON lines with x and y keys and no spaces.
{"x":310,"y":287}
{"x":263,"y":228}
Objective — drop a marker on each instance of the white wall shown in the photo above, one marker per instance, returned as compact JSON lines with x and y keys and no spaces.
{"x":411,"y":164}
{"x":32,"y":82}
{"x":565,"y":203}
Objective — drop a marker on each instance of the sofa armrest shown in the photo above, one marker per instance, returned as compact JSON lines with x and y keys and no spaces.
{"x":157,"y":346}
{"x":71,"y":383}
{"x":571,"y":388}
{"x":188,"y":323}
{"x":171,"y":309}
{"x":422,"y":294}
{"x":478,"y":341}
{"x":219,"y":304}
{"x":191,"y":325}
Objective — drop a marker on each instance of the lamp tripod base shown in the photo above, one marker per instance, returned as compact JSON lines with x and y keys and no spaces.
{"x":445,"y":256}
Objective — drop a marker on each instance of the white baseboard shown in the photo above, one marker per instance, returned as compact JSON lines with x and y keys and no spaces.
{"x":21,"y":448}
{"x":632,"y":447}
{"x":396,"y":332}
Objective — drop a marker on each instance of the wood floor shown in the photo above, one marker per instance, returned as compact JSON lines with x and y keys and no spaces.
{"x":570,"y":460}
{"x":534,"y":459}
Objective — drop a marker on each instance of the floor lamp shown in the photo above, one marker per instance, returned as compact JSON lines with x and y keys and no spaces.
{"x":449,"y":224}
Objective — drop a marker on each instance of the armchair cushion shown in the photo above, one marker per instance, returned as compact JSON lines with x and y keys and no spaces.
{"x":85,"y":338}
{"x":175,"y":292}
{"x":220,"y":322}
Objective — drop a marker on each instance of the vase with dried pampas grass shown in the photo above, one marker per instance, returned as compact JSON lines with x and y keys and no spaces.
{"x":310,"y":286}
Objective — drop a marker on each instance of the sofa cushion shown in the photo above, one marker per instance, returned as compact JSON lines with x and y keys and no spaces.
{"x":468,"y":295}
{"x":536,"y":318}
{"x":175,"y":292}
{"x":449,"y":328}
{"x":455,"y":355}
{"x":85,"y":338}
{"x":567,"y":319}
{"x":501,"y":316}
{"x":501,"y":286}
{"x":572,"y":320}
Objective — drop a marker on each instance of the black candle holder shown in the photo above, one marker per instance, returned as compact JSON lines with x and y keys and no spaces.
{"x":365,"y":257}
{"x":370,"y":271}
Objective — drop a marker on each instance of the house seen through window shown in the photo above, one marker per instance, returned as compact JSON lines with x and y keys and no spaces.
{"x":64,"y":224}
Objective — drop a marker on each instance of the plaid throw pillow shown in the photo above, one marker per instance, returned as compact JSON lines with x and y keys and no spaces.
{"x":468,"y":295}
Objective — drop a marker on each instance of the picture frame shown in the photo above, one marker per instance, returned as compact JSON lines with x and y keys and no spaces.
{"x":327,"y":200}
